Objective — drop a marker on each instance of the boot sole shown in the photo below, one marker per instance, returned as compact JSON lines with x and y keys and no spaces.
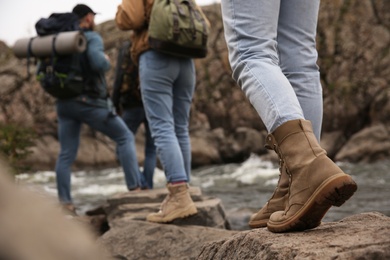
{"x":258,"y":224}
{"x":332,"y":192}
{"x":182,"y":213}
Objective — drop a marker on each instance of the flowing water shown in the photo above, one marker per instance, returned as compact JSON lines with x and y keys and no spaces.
{"x":243,"y":188}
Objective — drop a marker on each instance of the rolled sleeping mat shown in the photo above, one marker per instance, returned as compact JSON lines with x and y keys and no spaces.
{"x":42,"y":46}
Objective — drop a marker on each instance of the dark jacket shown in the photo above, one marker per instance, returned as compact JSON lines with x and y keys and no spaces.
{"x":126,"y":92}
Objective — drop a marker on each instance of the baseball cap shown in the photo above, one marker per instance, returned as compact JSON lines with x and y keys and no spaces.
{"x":82,"y":10}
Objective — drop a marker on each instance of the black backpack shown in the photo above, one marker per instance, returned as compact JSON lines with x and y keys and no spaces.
{"x":62,"y":76}
{"x":126,"y":91}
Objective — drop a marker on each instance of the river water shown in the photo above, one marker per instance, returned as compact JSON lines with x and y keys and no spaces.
{"x":243,"y":188}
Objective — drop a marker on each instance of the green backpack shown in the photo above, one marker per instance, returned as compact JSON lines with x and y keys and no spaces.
{"x":178,"y":27}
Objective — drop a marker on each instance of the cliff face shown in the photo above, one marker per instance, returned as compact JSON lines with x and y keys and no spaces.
{"x":354,"y":57}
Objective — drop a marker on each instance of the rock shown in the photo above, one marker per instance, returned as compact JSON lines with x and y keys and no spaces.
{"x":332,"y":142}
{"x":369,"y":144}
{"x":130,"y":235}
{"x":32,"y":226}
{"x":144,"y":240}
{"x":362,"y":236}
{"x":137,"y":205}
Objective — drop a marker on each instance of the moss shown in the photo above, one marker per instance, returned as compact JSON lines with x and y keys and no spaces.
{"x":15,"y":144}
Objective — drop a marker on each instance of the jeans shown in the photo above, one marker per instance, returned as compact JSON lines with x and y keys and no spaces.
{"x":71,"y":115}
{"x":167,"y":87}
{"x":133,"y":118}
{"x":272,"y":52}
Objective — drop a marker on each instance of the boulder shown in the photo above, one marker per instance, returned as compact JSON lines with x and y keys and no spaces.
{"x":137,"y":205}
{"x":362,"y":236}
{"x":143,"y":240}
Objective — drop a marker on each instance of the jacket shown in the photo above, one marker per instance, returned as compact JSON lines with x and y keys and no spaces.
{"x":126,"y":92}
{"x":134,"y":15}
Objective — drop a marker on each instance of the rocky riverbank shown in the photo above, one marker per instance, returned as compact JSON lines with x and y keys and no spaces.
{"x":353,"y":40}
{"x":207,"y":235}
{"x":33,"y":227}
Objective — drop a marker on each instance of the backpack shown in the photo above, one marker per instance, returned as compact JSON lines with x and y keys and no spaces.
{"x":178,"y":27}
{"x":126,"y":91}
{"x":62,"y":76}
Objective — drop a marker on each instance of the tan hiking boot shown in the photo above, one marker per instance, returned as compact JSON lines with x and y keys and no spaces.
{"x":177,"y":204}
{"x":275,"y":203}
{"x":316,"y":182}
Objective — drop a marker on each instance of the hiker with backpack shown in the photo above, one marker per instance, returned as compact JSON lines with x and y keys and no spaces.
{"x":94,"y":108}
{"x":167,"y":84}
{"x":127,"y":100}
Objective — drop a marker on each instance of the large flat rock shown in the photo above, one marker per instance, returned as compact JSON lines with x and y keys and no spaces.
{"x":137,"y":205}
{"x":363,"y":236}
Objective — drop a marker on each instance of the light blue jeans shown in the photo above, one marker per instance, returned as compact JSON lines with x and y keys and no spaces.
{"x":272,"y":52}
{"x":167,"y":87}
{"x":71,"y":115}
{"x":134,"y":117}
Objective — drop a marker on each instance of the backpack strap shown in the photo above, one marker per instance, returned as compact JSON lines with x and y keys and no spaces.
{"x":29,"y":55}
{"x":53,"y":53}
{"x":199,"y":18}
{"x":53,"y":44}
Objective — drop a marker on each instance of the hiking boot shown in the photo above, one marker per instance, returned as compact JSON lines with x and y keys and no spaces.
{"x":316,"y":182}
{"x":177,"y":204}
{"x":275,"y":203}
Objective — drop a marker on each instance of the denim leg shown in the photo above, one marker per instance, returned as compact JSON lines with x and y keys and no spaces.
{"x":150,"y":156}
{"x":158,"y":73}
{"x":298,"y":56}
{"x":115,"y":128}
{"x":251,"y":36}
{"x":69,"y":137}
{"x":133,"y":118}
{"x":183,"y":91}
{"x":102,"y":120}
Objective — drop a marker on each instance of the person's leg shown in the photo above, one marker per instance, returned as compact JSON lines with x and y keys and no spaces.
{"x":114,"y":127}
{"x":69,"y":138}
{"x":150,"y":156}
{"x":296,"y":38}
{"x":133,"y":118}
{"x":251,"y":36}
{"x":183,"y":91}
{"x":251,"y":33}
{"x":158,"y":73}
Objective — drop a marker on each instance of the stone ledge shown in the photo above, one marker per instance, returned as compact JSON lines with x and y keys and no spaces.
{"x":210,"y":214}
{"x":362,"y":236}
